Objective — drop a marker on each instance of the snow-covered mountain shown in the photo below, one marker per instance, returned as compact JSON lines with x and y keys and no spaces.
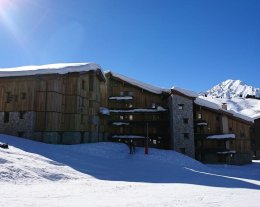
{"x":233,"y":88}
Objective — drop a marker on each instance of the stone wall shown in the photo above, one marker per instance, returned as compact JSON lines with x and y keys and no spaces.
{"x":18,"y":126}
{"x":182,"y":135}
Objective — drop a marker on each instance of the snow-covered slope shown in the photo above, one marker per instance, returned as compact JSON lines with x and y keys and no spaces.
{"x":233,"y":88}
{"x":104,"y":174}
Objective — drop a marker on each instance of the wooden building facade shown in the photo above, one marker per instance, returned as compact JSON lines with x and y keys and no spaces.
{"x":52,"y":107}
{"x":137,"y":110}
{"x":256,"y":137}
{"x":221,"y":136}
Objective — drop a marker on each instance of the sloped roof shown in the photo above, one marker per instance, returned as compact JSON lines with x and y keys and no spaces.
{"x":202,"y":102}
{"x":140,"y":84}
{"x":58,"y":68}
{"x":185,"y":92}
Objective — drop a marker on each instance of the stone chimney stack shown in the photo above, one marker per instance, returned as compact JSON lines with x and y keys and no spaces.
{"x":224,"y":106}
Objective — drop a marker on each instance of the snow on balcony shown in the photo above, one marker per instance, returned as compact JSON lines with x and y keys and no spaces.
{"x":128,"y":137}
{"x":104,"y":111}
{"x":227,"y":152}
{"x":158,"y":109}
{"x":120,"y":123}
{"x":202,"y":124}
{"x":121,"y":98}
{"x":222,"y":136}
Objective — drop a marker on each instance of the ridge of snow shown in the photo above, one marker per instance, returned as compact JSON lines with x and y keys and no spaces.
{"x":140,"y":84}
{"x":233,"y":88}
{"x":60,"y":68}
{"x":185,"y":92}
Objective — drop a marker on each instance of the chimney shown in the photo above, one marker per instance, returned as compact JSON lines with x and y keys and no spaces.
{"x":224,"y":106}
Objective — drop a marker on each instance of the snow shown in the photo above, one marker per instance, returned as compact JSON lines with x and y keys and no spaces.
{"x":202,"y":124}
{"x":120,"y":123}
{"x":120,"y":98}
{"x":145,"y":86}
{"x":185,"y":92}
{"x":128,"y":137}
{"x":140,"y":110}
{"x":222,"y":136}
{"x":104,"y":174}
{"x":104,"y":111}
{"x":233,"y":88}
{"x":246,"y":107}
{"x":59,"y":68}
{"x":214,"y":103}
{"x":227,"y":152}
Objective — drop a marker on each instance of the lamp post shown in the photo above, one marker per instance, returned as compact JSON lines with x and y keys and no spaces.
{"x":146,"y":144}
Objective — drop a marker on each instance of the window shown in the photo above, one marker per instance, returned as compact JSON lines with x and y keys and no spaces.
{"x":6,"y":117}
{"x":130,"y":105}
{"x":131,"y":117}
{"x":8,"y":97}
{"x":153,"y":105}
{"x":180,"y":106}
{"x":186,"y":135}
{"x":130,"y":93}
{"x":83,"y":84}
{"x":121,"y":117}
{"x":185,"y":120}
{"x":23,"y":95}
{"x":230,"y":129}
{"x":91,"y":83}
{"x":217,"y":118}
{"x":21,"y":114}
{"x":121,"y":93}
{"x":199,"y":116}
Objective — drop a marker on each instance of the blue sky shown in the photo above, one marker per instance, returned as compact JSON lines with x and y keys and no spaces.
{"x":193,"y":44}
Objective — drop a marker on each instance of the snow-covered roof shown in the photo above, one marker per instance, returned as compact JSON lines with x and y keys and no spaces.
{"x":59,"y":68}
{"x":185,"y":92}
{"x":222,"y":136}
{"x":202,"y":102}
{"x":140,"y":84}
{"x":257,"y":116}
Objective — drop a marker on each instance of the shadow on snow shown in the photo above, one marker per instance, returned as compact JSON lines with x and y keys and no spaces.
{"x":139,"y":167}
